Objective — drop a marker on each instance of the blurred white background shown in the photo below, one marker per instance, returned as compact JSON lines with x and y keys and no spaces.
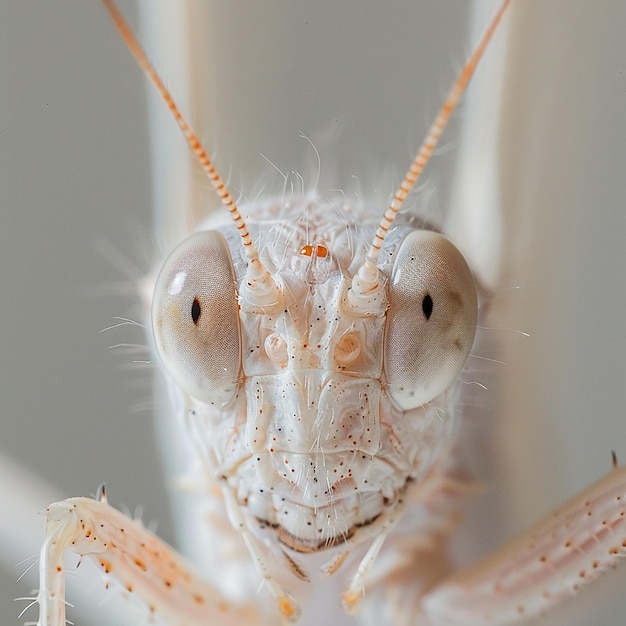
{"x":363,"y":80}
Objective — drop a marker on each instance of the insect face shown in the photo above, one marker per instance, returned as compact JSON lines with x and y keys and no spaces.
{"x":312,"y":403}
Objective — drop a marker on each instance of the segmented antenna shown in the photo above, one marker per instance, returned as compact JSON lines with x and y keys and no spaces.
{"x":257,"y":269}
{"x":366,"y":280}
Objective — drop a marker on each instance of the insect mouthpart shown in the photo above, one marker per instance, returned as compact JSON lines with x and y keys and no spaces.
{"x":306,"y":530}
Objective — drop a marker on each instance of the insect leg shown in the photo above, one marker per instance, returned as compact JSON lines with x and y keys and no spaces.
{"x":355,"y":590}
{"x":544,"y":565}
{"x":137,"y":559}
{"x":288,"y":607}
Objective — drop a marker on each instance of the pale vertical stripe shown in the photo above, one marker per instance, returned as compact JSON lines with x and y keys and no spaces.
{"x":542,"y":169}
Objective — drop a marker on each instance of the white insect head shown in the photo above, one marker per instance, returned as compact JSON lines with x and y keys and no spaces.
{"x":315,"y":379}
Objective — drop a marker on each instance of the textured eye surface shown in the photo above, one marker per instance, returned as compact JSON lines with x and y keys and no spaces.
{"x":195,"y":318}
{"x":431,"y":319}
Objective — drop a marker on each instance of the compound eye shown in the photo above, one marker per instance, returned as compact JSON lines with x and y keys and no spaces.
{"x":431,"y":320}
{"x":195,"y":318}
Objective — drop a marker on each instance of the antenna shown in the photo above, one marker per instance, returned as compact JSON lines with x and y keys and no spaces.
{"x":367,"y":280}
{"x":258,"y":279}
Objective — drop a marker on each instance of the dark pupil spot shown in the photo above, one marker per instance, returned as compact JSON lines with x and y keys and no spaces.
{"x":427,"y":306}
{"x":195,"y":310}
